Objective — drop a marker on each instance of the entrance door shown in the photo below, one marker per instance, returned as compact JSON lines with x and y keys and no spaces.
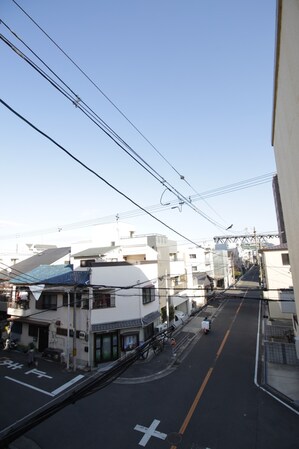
{"x":106,"y":347}
{"x":43,"y":338}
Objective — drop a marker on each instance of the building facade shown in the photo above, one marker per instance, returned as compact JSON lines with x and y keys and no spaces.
{"x":285,"y":133}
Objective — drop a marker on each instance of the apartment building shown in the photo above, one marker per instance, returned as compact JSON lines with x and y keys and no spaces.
{"x":285,"y":132}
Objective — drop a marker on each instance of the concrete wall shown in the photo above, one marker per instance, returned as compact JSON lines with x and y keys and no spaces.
{"x":286,"y":128}
{"x":128,"y":301}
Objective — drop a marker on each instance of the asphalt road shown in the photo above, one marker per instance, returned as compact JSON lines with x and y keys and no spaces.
{"x":209,"y":401}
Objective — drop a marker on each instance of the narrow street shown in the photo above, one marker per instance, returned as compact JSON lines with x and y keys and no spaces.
{"x":208,"y":401}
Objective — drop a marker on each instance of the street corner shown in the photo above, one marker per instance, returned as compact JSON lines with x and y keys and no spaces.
{"x":40,"y":376}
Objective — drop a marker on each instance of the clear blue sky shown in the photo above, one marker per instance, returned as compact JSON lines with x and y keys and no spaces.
{"x":195,"y":77}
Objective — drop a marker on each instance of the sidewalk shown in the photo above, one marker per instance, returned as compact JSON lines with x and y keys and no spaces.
{"x":164,"y":363}
{"x":278,"y":379}
{"x":280,"y":365}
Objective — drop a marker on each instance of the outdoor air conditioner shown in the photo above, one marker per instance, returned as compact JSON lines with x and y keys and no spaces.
{"x":82,"y":335}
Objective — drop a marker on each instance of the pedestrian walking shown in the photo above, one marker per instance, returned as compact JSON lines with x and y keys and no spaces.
{"x":30,"y":357}
{"x":173,"y":346}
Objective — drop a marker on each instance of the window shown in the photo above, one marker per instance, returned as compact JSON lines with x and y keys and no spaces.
{"x":194,"y":268}
{"x":130,"y":341}
{"x":47,"y":301}
{"x":85,"y":300}
{"x":148,"y":295}
{"x":72,"y":299}
{"x":103,"y":299}
{"x":285,"y":259}
{"x":176,"y":280}
{"x":192,"y":256}
{"x":87,"y":262}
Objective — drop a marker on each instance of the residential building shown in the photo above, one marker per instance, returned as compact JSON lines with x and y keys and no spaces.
{"x":87,"y":316}
{"x":277,"y":282}
{"x":223,"y":267}
{"x":285,"y":132}
{"x":43,"y":255}
{"x":199,"y":282}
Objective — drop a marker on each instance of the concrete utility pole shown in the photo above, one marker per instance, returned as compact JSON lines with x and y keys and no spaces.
{"x":68,"y":331}
{"x":167,"y":298}
{"x":90,"y":302}
{"x":74,"y":332}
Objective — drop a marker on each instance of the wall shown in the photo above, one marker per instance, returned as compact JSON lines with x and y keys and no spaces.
{"x":128,"y":301}
{"x":286,"y":128}
{"x":277,"y":276}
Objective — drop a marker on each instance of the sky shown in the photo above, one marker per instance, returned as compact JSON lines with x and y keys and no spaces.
{"x":186,"y":91}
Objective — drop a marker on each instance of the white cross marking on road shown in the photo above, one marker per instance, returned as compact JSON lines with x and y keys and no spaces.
{"x":150,"y":432}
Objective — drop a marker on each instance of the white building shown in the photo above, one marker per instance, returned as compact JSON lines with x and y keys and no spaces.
{"x":90,"y":316}
{"x":285,"y":133}
{"x":277,"y":282}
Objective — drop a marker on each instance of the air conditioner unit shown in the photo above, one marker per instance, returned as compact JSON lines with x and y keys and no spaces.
{"x":82,"y":335}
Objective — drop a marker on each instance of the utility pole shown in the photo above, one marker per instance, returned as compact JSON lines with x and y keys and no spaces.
{"x":167,"y":298}
{"x":68,"y":331}
{"x":74,"y":332}
{"x":90,"y":303}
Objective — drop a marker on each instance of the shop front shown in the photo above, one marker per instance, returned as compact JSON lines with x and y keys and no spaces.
{"x":106,"y":347}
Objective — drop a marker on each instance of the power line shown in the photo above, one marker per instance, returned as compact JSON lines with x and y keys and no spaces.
{"x":182,"y":177}
{"x":78,"y":102}
{"x":245,"y":184}
{"x":94,"y":173}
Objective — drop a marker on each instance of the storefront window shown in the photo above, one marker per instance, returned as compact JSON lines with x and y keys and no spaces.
{"x":130,"y":342}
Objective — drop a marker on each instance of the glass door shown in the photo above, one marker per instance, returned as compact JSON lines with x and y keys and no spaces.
{"x":106,"y":347}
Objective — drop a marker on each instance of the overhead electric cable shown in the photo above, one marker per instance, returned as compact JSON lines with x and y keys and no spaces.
{"x":182,"y":177}
{"x":93,"y":172}
{"x":245,"y":184}
{"x":76,"y":100}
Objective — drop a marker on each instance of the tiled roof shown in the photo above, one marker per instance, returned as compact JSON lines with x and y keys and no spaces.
{"x":53,"y":275}
{"x":47,"y":257}
{"x":281,"y":247}
{"x":126,"y":324}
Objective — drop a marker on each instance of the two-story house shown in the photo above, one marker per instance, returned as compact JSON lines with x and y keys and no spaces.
{"x":92,"y":315}
{"x":277,"y":282}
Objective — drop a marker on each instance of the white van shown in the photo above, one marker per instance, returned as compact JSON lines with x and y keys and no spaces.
{"x":179,"y":318}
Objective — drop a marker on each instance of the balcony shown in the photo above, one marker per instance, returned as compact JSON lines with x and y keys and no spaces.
{"x":19,"y":308}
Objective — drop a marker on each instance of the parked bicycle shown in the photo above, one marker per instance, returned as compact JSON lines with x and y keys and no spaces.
{"x":158,"y":346}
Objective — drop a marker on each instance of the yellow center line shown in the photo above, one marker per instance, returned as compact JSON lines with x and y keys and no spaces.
{"x":196,"y":400}
{"x":222,"y":344}
{"x":205,"y":381}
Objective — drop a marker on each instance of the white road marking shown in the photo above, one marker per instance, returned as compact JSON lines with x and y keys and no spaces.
{"x":150,"y":432}
{"x":68,"y":384}
{"x":38,"y":373}
{"x":27,"y":385}
{"x":54,"y":392}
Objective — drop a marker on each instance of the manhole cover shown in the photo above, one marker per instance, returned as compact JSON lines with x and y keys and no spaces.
{"x":174,"y":438}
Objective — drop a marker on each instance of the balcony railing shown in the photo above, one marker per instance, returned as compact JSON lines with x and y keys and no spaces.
{"x":19,"y":308}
